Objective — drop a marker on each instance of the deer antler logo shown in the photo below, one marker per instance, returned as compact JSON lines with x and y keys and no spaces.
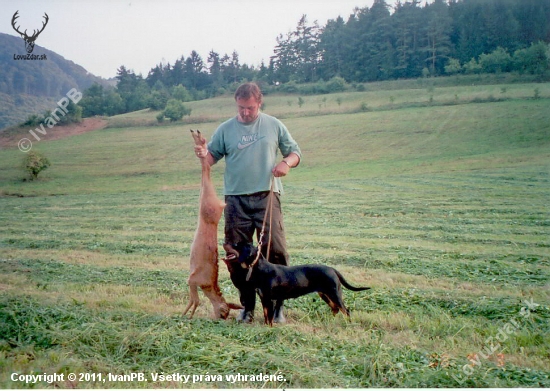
{"x":29,"y":40}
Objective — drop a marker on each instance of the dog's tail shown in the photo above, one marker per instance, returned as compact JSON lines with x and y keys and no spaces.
{"x":347,"y":284}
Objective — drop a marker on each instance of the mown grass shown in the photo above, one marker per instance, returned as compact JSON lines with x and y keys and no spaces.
{"x":384,"y":96}
{"x":442,"y":209}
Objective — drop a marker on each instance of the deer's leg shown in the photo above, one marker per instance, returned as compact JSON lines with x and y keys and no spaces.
{"x":198,"y":137}
{"x":193,"y":300}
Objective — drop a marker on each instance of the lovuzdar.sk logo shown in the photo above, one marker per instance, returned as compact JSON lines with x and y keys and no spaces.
{"x":29,"y":39}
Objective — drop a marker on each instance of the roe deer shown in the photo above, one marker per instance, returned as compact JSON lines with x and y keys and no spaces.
{"x":204,"y":250}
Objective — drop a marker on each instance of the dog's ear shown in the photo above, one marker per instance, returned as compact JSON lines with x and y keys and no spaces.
{"x":253,"y":251}
{"x":244,"y":252}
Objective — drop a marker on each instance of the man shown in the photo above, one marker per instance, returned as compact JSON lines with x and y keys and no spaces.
{"x":250,"y":143}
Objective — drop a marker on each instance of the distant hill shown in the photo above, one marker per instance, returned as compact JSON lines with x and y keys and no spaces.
{"x":32,"y":87}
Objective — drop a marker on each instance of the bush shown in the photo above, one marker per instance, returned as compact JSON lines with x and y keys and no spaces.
{"x":175,"y":110}
{"x":336,"y":84}
{"x":453,"y":67}
{"x":534,"y":60}
{"x":34,"y":163}
{"x":33,"y":120}
{"x":289,"y":88}
{"x":472,"y":67}
{"x":496,"y":62}
{"x":73,"y":115}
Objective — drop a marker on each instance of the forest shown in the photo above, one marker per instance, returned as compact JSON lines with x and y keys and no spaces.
{"x":405,"y":40}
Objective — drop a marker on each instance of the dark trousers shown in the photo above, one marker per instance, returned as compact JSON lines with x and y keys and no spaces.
{"x":244,"y":217}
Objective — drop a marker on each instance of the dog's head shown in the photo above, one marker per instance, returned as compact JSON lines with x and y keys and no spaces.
{"x":242,"y":253}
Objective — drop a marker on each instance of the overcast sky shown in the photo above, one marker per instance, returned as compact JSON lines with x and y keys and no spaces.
{"x":103,"y":35}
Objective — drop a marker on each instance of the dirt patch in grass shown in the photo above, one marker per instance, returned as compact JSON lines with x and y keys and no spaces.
{"x":11,"y":136}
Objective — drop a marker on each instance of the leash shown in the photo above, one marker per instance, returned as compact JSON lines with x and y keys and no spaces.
{"x":268,"y":210}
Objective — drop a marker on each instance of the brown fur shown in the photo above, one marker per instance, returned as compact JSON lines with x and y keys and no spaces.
{"x":204,"y":250}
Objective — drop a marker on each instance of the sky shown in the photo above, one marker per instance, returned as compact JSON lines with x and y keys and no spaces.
{"x":102,"y":35}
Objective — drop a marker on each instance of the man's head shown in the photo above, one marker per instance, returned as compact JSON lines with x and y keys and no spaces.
{"x":249,"y":100}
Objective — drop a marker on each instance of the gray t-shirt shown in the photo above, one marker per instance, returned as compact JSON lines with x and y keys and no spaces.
{"x":250,"y":152}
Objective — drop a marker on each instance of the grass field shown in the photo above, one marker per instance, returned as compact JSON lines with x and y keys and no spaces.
{"x":438,"y":198}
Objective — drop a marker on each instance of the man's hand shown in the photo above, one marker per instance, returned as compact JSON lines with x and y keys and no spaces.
{"x":201,"y":151}
{"x":281,"y":169}
{"x":284,"y":167}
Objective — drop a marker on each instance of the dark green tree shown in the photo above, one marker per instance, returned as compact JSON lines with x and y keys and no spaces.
{"x":437,"y":36}
{"x":305,"y":41}
{"x":215,"y":70}
{"x":285,"y":59}
{"x":112,"y":103}
{"x":133,"y":89}
{"x":333,"y":44}
{"x":194,"y":72}
{"x":158,"y":100}
{"x":372,"y":57}
{"x":407,"y":27}
{"x":92,"y":101}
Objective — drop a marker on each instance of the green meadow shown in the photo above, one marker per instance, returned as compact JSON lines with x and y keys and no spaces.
{"x":435,"y":195}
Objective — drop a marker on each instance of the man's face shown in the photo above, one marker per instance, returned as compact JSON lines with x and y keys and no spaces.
{"x":248,"y":109}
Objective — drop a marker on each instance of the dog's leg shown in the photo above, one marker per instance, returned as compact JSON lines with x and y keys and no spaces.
{"x":336,"y":298}
{"x":333,"y":306}
{"x":267,"y":305}
{"x":266,"y":316}
{"x":278,"y":316}
{"x":247,"y":294}
{"x":193,"y":300}
{"x":344,"y":310}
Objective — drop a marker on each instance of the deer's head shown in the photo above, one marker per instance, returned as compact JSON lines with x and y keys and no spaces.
{"x":29,"y":40}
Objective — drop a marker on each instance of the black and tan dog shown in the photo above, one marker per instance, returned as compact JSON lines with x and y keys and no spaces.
{"x":276,"y":283}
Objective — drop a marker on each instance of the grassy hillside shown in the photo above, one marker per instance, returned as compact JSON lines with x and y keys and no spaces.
{"x":32,"y":87}
{"x":441,"y":204}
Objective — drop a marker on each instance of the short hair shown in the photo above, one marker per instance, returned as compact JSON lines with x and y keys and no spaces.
{"x":248,"y":90}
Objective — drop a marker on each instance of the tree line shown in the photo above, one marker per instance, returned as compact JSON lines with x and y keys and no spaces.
{"x":383,"y":42}
{"x":409,"y":40}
